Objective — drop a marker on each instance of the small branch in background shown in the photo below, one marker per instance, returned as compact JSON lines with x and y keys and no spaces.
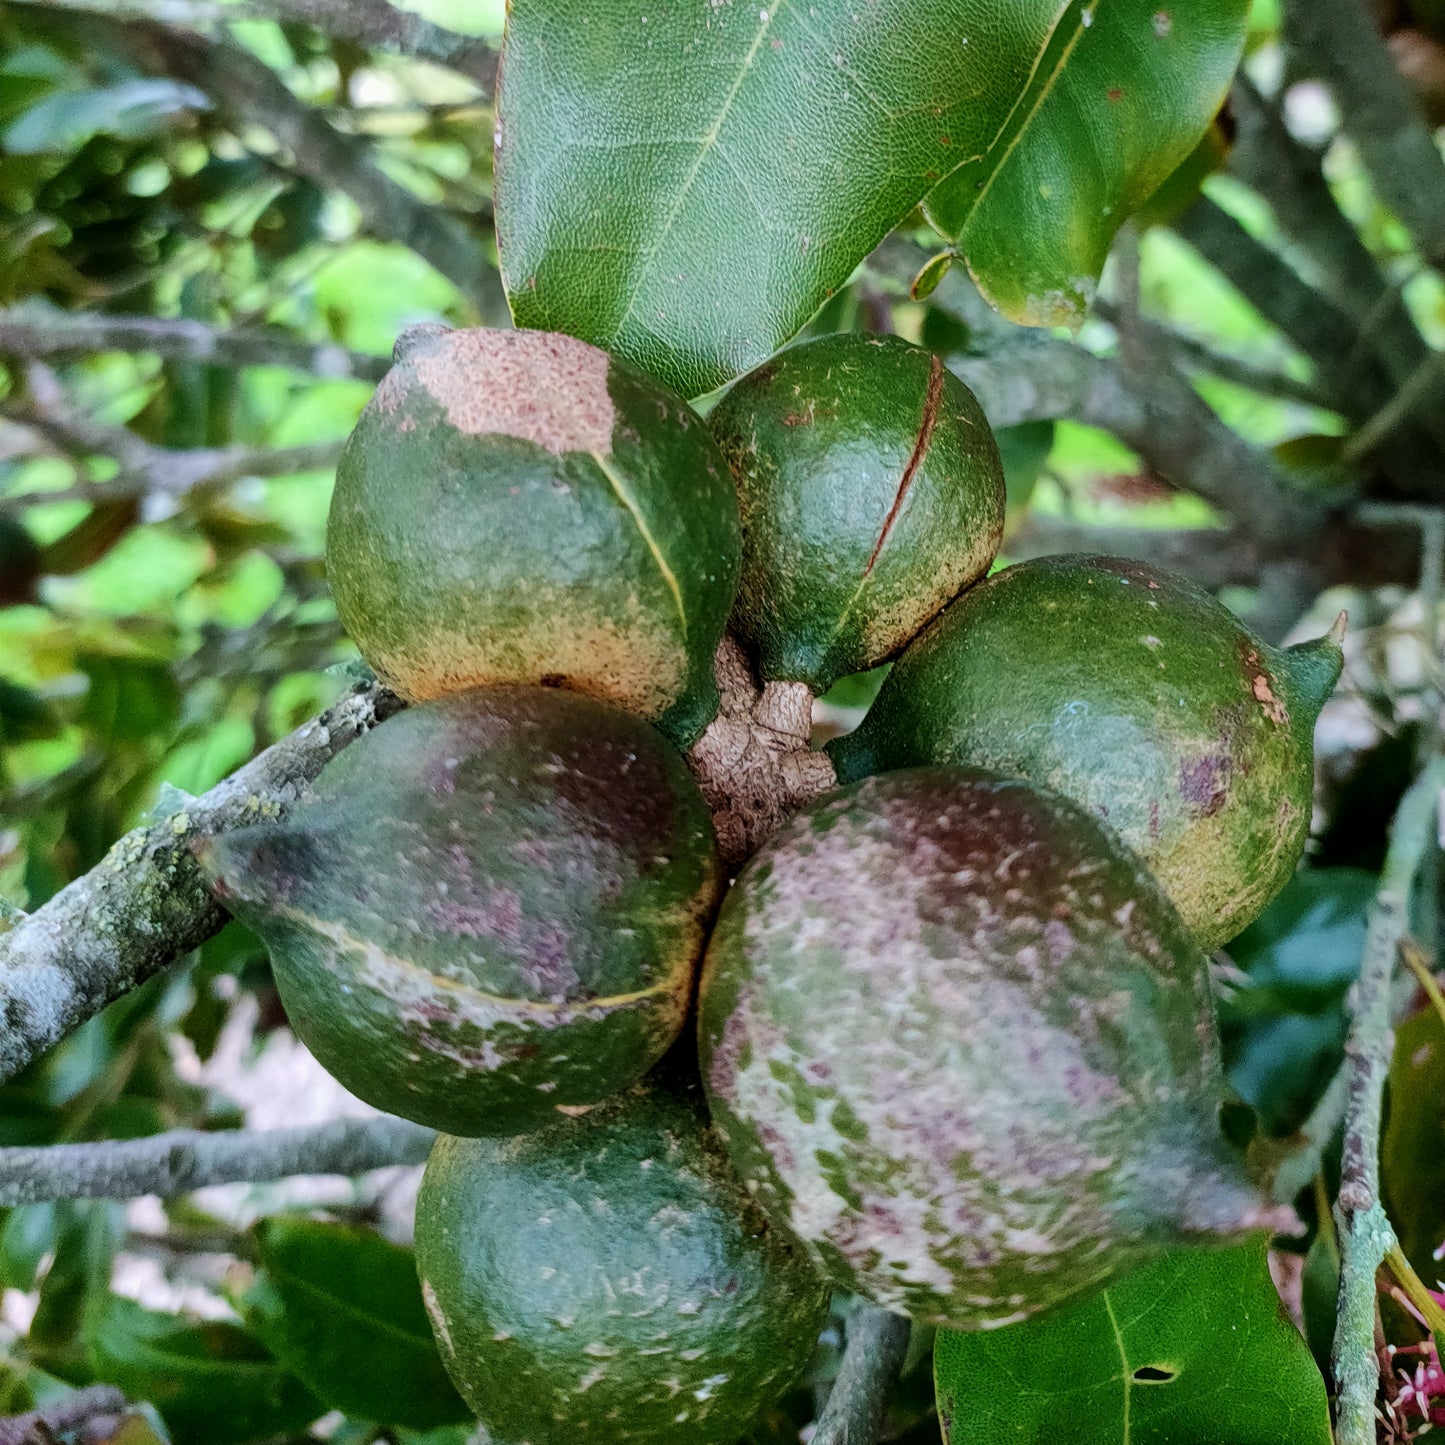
{"x":145,"y":469}
{"x":146,"y":905}
{"x":187,"y":1159}
{"x":872,"y":1360}
{"x":1309,"y":319}
{"x":1419,"y":964}
{"x":1134,"y":350}
{"x":36,"y":335}
{"x":248,"y":92}
{"x":372,"y":24}
{"x":1188,"y":353}
{"x":1364,"y":1232}
{"x":1415,"y":1290}
{"x":1316,"y":1134}
{"x":92,"y":1405}
{"x":1338,"y":42}
{"x":1291,"y":176}
{"x":1424,"y":387}
{"x":1154,"y":411}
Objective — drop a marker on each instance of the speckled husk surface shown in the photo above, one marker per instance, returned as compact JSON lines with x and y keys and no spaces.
{"x":608,"y":1279}
{"x":871,"y":493}
{"x":1139,"y":696}
{"x":957,"y":1040}
{"x":518,"y":507}
{"x":490,"y":908}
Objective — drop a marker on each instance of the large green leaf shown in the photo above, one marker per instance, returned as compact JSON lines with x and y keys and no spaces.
{"x":687,"y":183}
{"x":1123,"y":96}
{"x":1192,"y":1350}
{"x":212,"y":1381}
{"x":342,"y":1308}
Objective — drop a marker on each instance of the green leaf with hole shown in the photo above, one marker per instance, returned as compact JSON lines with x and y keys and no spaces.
{"x":212,"y":1381}
{"x":1194,"y":1349}
{"x":687,"y":184}
{"x":1122,"y":98}
{"x":342,"y":1308}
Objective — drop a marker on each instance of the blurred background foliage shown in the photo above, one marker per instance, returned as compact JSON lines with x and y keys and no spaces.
{"x":164,"y":616}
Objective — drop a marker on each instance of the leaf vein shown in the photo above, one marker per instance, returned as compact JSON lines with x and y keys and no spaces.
{"x":704,"y":150}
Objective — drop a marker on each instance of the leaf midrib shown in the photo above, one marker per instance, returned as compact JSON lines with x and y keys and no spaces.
{"x":709,"y":141}
{"x":1127,"y":1377}
{"x":347,"y":1307}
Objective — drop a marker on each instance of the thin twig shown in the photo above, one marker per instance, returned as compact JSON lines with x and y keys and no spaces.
{"x":1322,"y":330}
{"x":1291,"y":175}
{"x":1425,"y":381}
{"x":370,"y":23}
{"x":187,"y":1159}
{"x":1191,"y":354}
{"x":1316,"y":1135}
{"x":1364,"y":1231}
{"x":1029,"y":378}
{"x":249,"y":93}
{"x":1418,"y":963}
{"x":877,"y":1344}
{"x":145,"y":469}
{"x":146,"y":904}
{"x":38,"y":334}
{"x":1338,"y":42}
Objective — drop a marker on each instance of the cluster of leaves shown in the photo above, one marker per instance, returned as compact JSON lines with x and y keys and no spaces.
{"x":154,"y":640}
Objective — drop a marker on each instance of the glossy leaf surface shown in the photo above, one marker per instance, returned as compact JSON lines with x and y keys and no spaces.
{"x":1194,"y":1349}
{"x":1123,"y":96}
{"x":212,"y":1381}
{"x":1412,"y":1155}
{"x":687,"y":184}
{"x":342,"y":1308}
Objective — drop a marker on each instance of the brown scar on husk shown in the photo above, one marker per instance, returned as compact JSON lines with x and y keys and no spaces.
{"x":533,"y":385}
{"x":933,"y":401}
{"x":1259,"y":682}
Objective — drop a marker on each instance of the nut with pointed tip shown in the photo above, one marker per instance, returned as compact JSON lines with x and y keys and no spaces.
{"x":1140,"y":697}
{"x":872,"y":494}
{"x":958,"y":1041}
{"x":489,"y":909}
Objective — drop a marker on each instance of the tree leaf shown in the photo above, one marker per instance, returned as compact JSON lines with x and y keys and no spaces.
{"x":1122,"y":98}
{"x":763,"y":152}
{"x":1304,"y":950}
{"x":1194,"y":1349}
{"x":759,"y":152}
{"x":212,"y":1382}
{"x":1284,"y":1029}
{"x":130,"y":109}
{"x":1024,"y":449}
{"x":342,"y":1308}
{"x":1412,"y":1155}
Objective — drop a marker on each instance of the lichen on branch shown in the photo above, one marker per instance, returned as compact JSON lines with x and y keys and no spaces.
{"x":186,"y":1159}
{"x":1364,"y":1230}
{"x":145,"y":904}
